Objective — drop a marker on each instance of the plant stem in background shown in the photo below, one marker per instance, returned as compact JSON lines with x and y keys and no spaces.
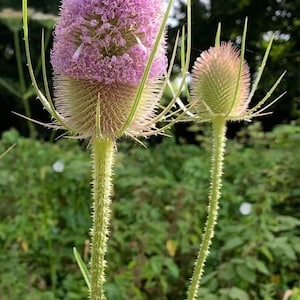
{"x":39,"y":62}
{"x":219,"y":131}
{"x":103,"y":152}
{"x":22,"y":83}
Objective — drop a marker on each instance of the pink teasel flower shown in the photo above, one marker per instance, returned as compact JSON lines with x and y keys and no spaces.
{"x":99,"y":55}
{"x":107,"y":41}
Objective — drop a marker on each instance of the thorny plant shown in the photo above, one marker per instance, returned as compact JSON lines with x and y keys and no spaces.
{"x":102,"y":109}
{"x":219,"y":93}
{"x":220,"y":90}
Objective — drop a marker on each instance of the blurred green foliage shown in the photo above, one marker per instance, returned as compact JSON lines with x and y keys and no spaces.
{"x":159,"y":206}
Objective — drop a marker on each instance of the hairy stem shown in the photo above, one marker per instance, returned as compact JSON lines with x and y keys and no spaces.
{"x":103,"y":152}
{"x":219,"y":130}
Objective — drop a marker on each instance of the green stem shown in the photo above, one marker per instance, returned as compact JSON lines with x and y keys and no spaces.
{"x":219,"y":131}
{"x":39,"y":62}
{"x":103,"y":152}
{"x":19,"y":62}
{"x":22,"y":83}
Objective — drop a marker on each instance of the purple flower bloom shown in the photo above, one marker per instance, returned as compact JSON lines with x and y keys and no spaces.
{"x":107,"y":40}
{"x":100,"y":51}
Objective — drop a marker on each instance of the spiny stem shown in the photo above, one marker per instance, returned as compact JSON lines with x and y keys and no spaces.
{"x":219,"y":131}
{"x":103,"y":152}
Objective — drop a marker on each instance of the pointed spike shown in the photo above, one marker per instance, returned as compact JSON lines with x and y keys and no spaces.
{"x":268,"y":95}
{"x":218,"y":36}
{"x":98,"y":120}
{"x":182,"y":48}
{"x":53,"y":113}
{"x":243,"y":45}
{"x":261,"y":69}
{"x":242,"y":55}
{"x":188,"y":35}
{"x":147,"y":70}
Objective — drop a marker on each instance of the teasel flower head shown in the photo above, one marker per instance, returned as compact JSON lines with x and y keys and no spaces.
{"x":215,"y":76}
{"x":221,"y":83}
{"x":100,"y":51}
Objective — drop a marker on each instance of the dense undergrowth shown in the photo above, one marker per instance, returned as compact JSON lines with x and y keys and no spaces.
{"x":159,"y":206}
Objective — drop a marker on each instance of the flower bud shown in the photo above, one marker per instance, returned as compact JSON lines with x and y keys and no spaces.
{"x":218,"y":86}
{"x":99,"y":55}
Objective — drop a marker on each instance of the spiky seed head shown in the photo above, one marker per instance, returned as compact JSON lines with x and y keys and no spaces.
{"x":100,"y":51}
{"x":77,"y":100}
{"x":217,"y":86}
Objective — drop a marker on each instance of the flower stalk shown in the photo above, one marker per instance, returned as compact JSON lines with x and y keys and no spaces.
{"x":103,"y":156}
{"x":218,"y":150}
{"x":108,"y":79}
{"x":221,"y":93}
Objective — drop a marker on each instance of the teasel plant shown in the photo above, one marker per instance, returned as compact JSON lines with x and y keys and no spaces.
{"x":110,"y":70}
{"x":221,"y":92}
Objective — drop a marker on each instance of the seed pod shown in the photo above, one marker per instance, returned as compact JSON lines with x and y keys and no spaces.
{"x":218,"y":86}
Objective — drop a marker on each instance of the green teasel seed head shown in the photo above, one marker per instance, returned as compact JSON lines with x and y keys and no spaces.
{"x":218,"y":85}
{"x":80,"y":101}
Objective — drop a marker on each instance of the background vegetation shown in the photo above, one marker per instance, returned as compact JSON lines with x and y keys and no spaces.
{"x":159,"y":207}
{"x":160,"y":195}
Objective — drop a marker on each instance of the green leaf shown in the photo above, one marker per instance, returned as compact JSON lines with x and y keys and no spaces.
{"x":205,"y":294}
{"x":172,"y":267}
{"x":267,"y":253}
{"x":286,"y":223}
{"x":82,"y":267}
{"x":261,"y":267}
{"x":238,"y":294}
{"x":156,"y":264}
{"x":245,"y":273}
{"x":206,"y":278}
{"x":232,"y":243}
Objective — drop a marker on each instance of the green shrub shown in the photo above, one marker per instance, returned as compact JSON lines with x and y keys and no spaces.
{"x":43,"y":215}
{"x":159,"y":207}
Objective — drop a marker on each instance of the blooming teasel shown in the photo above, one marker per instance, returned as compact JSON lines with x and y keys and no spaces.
{"x":220,"y":92}
{"x":108,"y":60}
